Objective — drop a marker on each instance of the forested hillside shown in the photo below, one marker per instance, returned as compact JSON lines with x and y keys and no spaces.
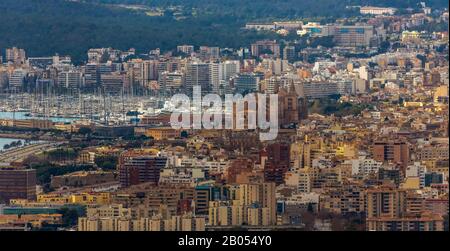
{"x":45,"y":27}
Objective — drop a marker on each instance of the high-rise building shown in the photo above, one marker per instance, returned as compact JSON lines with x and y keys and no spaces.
{"x":209,"y":53}
{"x":271,"y":84}
{"x":265,"y":46}
{"x":113,"y":83}
{"x":422,"y":222}
{"x":136,"y":76}
{"x":151,"y":69}
{"x":17,"y":183}
{"x":299,"y":179}
{"x":40,"y":62}
{"x":275,"y":66}
{"x":319,"y":89}
{"x":4,"y":79}
{"x":345,"y":86}
{"x":15,"y":55}
{"x":198,"y":74}
{"x":91,"y":75}
{"x":364,"y":73}
{"x":289,"y":53}
{"x":170,"y":82}
{"x":136,"y":168}
{"x":186,"y":222}
{"x":228,"y":69}
{"x":260,"y":195}
{"x":353,"y":36}
{"x":214,"y":77}
{"x":70,"y":79}
{"x":387,"y":210}
{"x":246,"y":83}
{"x":386,"y":202}
{"x":275,"y":159}
{"x":186,"y":49}
{"x":289,"y":106}
{"x":251,"y":204}
{"x":17,"y":79}
{"x":343,"y":35}
{"x":95,"y":55}
{"x":394,"y":151}
{"x":364,"y":166}
{"x":106,"y":68}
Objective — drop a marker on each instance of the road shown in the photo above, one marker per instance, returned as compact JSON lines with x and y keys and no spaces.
{"x":21,"y":153}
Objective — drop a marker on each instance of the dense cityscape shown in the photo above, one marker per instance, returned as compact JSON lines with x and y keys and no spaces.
{"x":362,"y":131}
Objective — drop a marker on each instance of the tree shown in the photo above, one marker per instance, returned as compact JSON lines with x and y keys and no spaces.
{"x":69,"y":216}
{"x":85,"y":130}
{"x":326,"y":41}
{"x":384,"y":46}
{"x":106,"y":162}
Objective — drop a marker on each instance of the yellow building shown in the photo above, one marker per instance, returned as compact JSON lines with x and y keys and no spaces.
{"x":345,"y":151}
{"x":161,"y":133}
{"x":81,"y":198}
{"x":411,"y":183}
{"x":226,"y":213}
{"x":113,"y":210}
{"x":88,"y":198}
{"x":425,"y":222}
{"x":385,"y":202}
{"x":157,"y":223}
{"x":440,"y":95}
{"x":411,"y":37}
{"x":36,"y":220}
{"x":253,"y":204}
{"x":86,"y":157}
{"x":413,"y":104}
{"x":300,"y":179}
{"x":52,"y":199}
{"x":259,"y":217}
{"x":64,"y":127}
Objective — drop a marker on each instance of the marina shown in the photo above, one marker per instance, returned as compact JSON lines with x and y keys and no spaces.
{"x":97,"y":108}
{"x":27,"y":115}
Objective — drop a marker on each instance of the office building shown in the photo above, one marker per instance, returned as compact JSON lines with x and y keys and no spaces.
{"x":136,"y":168}
{"x":17,"y":183}
{"x":214,"y":77}
{"x":353,"y":36}
{"x":319,"y":89}
{"x":198,"y":74}
{"x":246,"y":83}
